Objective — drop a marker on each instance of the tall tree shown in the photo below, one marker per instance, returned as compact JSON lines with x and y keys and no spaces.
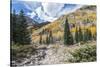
{"x":13,"y":21}
{"x":76,"y":35}
{"x":21,"y":34}
{"x":68,"y":39}
{"x":50,"y":37}
{"x":85,"y":36}
{"x":89,"y":35}
{"x":47,"y":40}
{"x":40,"y":38}
{"x":80,"y":38}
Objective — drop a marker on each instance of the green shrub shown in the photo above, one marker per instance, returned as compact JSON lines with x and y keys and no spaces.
{"x":84,"y":54}
{"x":21,"y":51}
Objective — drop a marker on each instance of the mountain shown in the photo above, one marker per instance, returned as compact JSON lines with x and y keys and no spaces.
{"x":78,"y":17}
{"x":30,"y":21}
{"x":33,"y":24}
{"x":91,"y":7}
{"x":43,"y":11}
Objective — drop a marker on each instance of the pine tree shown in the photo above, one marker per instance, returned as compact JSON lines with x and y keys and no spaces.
{"x":85,"y":36}
{"x":80,"y":38}
{"x":88,"y":21}
{"x":47,"y":39}
{"x":20,"y":31}
{"x":71,"y":39}
{"x":90,"y":35}
{"x":50,"y":37}
{"x":95,"y":36}
{"x":13,"y":27}
{"x":76,"y":35}
{"x":68,"y":40}
{"x":40,"y":38}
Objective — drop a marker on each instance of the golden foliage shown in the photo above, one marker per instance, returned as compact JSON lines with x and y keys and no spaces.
{"x":93,"y":30}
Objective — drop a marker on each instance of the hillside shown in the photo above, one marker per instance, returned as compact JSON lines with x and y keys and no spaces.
{"x":84,"y":17}
{"x":32,"y":24}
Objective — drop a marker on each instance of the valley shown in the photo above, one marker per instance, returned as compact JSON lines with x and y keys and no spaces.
{"x":69,"y":39}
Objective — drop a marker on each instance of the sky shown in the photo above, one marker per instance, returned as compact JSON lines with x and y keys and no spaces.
{"x":43,"y":11}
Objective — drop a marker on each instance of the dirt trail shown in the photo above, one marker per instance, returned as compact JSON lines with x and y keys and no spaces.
{"x":51,"y":54}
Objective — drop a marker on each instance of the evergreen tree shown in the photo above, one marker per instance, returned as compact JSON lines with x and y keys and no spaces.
{"x":80,"y":38}
{"x":76,"y":35}
{"x":68,"y":40}
{"x":40,"y":38}
{"x":47,"y":39}
{"x":50,"y":37}
{"x":88,"y":21}
{"x":71,"y":39}
{"x":13,"y":22}
{"x":95,"y":36}
{"x":85,"y":36}
{"x":89,"y":35}
{"x":21,"y":34}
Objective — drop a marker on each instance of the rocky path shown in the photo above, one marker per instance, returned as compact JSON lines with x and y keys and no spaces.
{"x":51,"y":54}
{"x":46,"y":55}
{"x":33,"y":60}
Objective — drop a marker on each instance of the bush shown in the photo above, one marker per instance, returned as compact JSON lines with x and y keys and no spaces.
{"x":21,"y":51}
{"x":86,"y":54}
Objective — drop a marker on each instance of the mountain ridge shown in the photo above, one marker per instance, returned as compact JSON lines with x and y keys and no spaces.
{"x":57,"y":27}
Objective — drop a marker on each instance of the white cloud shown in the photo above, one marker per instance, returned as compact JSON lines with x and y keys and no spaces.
{"x":52,"y":9}
{"x":49,"y":11}
{"x":69,"y":10}
{"x":42,"y":15}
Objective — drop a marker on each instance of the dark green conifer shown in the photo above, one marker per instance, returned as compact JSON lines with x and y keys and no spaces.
{"x":20,"y":32}
{"x":68,"y":39}
{"x":40,"y":38}
{"x":76,"y":35}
